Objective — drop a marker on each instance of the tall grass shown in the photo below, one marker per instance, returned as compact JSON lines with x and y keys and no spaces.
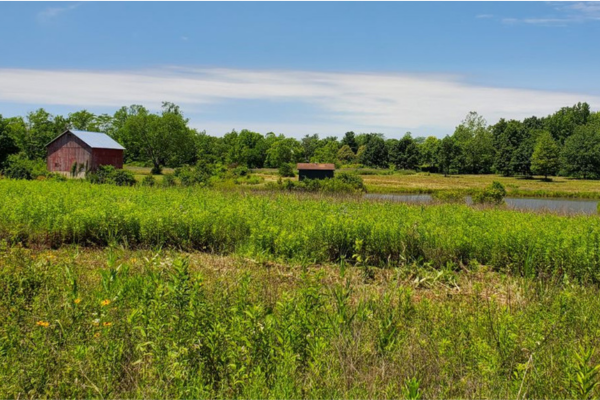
{"x":119,"y":324}
{"x":305,"y":229}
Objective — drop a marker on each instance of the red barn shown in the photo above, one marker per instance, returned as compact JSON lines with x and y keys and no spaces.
{"x":82,"y":151}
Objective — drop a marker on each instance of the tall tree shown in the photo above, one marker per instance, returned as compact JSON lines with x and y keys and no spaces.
{"x":581,"y":152}
{"x":8,"y":145}
{"x":546,"y":155}
{"x":349,"y":139}
{"x":448,"y":153}
{"x":404,"y":153}
{"x":375,"y":153}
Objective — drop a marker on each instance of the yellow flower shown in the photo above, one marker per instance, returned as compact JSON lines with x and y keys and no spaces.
{"x":97,"y":334}
{"x":133,"y":260}
{"x":107,"y":323}
{"x":105,"y":302}
{"x":45,"y":324}
{"x":77,"y":300}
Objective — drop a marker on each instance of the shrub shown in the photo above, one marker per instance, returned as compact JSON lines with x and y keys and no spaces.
{"x":18,"y":166}
{"x":149,"y":180}
{"x":353,"y":180}
{"x":111,"y":175}
{"x":493,"y":194}
{"x":286,"y":170}
{"x":449,"y":196}
{"x":169,"y":180}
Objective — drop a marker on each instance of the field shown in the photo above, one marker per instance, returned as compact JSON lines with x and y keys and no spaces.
{"x":381,"y":181}
{"x":141,"y":292}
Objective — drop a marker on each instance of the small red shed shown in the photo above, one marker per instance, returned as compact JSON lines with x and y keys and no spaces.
{"x":84,"y":150}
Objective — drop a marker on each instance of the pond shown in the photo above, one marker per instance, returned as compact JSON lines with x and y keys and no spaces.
{"x":558,"y":205}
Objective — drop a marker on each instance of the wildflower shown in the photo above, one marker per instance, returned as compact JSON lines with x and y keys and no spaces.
{"x":45,"y":324}
{"x":105,"y":302}
{"x":97,"y":334}
{"x":96,"y":322}
{"x":77,"y":300}
{"x":107,"y":323}
{"x":133,"y":260}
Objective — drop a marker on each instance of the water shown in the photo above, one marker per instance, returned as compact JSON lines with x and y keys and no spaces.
{"x":558,"y":205}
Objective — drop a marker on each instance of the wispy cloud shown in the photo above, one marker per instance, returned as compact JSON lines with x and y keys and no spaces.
{"x":51,"y":13}
{"x":391,"y":101}
{"x":562,"y":15}
{"x":484,"y":16}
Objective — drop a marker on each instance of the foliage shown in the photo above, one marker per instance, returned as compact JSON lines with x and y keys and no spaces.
{"x":286,"y":171}
{"x":18,"y":166}
{"x":149,"y":180}
{"x":493,"y":194}
{"x":168,"y":180}
{"x":581,"y":152}
{"x":546,"y":156}
{"x":305,"y":228}
{"x":110,"y":175}
{"x":115,"y":323}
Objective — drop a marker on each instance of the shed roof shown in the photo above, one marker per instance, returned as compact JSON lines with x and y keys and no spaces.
{"x":96,"y":140}
{"x":316,"y":166}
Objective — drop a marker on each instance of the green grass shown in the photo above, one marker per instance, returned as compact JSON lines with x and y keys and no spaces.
{"x":116,"y":323}
{"x":298,"y":228}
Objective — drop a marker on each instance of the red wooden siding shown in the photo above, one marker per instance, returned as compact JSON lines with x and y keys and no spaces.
{"x":65,"y":151}
{"x":112,"y":157}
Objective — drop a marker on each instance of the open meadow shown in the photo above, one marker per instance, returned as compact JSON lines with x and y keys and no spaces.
{"x":137,"y":292}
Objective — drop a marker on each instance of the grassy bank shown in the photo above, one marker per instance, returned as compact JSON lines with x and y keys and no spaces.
{"x":115,"y":323}
{"x":299,"y":228}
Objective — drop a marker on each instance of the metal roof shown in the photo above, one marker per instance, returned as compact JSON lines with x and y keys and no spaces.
{"x":315,"y":166}
{"x":96,"y":140}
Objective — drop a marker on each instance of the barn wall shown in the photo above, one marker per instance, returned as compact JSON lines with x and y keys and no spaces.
{"x":112,"y":157}
{"x":314,"y":174}
{"x":65,"y":151}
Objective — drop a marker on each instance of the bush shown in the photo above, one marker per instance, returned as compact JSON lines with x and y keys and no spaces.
{"x":493,"y":194}
{"x":449,"y":196}
{"x":353,"y":180}
{"x":18,"y":166}
{"x":169,"y":180}
{"x":149,"y":180}
{"x":286,"y":171}
{"x":111,"y":175}
{"x":342,"y":183}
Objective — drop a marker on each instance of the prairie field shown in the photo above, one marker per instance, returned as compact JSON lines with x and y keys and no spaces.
{"x":138,"y":292}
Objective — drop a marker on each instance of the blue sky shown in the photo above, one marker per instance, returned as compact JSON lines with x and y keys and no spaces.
{"x":303,"y":68}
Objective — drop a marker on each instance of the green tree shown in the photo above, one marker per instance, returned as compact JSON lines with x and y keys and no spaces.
{"x":84,"y":121}
{"x":404,"y":153}
{"x":160,"y":139}
{"x":326,"y":153}
{"x":546,"y":156}
{"x":476,"y":143}
{"x":346,"y":155}
{"x":429,"y":150}
{"x":581,"y":152}
{"x":375,"y":153}
{"x":350,"y":140}
{"x":8,"y":145}
{"x":283,"y":151}
{"x":448,"y":154}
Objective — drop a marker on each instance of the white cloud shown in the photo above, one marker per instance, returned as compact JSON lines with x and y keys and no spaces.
{"x":53,"y":12}
{"x":381,"y":101}
{"x":565,"y":14}
{"x":484,"y":16}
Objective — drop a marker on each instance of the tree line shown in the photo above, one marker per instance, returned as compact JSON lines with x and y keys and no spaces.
{"x":566,"y":142}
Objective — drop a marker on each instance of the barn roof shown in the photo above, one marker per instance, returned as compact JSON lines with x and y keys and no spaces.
{"x":326,"y":167}
{"x":96,"y":140}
